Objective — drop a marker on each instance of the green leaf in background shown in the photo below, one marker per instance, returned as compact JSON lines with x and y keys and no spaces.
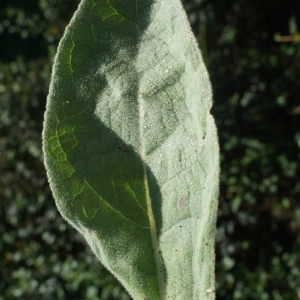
{"x":131,"y":148}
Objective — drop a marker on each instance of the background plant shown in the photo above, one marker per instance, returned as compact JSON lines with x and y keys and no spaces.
{"x":256,"y":94}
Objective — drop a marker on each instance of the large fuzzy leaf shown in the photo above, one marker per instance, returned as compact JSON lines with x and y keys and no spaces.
{"x":131,"y":148}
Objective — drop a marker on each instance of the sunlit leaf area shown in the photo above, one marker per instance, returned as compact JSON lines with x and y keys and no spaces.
{"x":252,"y":52}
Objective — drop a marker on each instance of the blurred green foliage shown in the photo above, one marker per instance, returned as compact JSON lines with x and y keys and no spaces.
{"x":252,"y":51}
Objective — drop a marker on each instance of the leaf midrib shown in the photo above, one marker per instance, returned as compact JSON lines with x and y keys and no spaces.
{"x":153,"y":230}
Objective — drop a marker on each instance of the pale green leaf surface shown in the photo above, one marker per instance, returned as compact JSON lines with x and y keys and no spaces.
{"x":131,"y":148}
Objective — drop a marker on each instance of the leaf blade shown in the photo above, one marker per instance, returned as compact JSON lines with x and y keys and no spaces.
{"x":110,"y":90}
